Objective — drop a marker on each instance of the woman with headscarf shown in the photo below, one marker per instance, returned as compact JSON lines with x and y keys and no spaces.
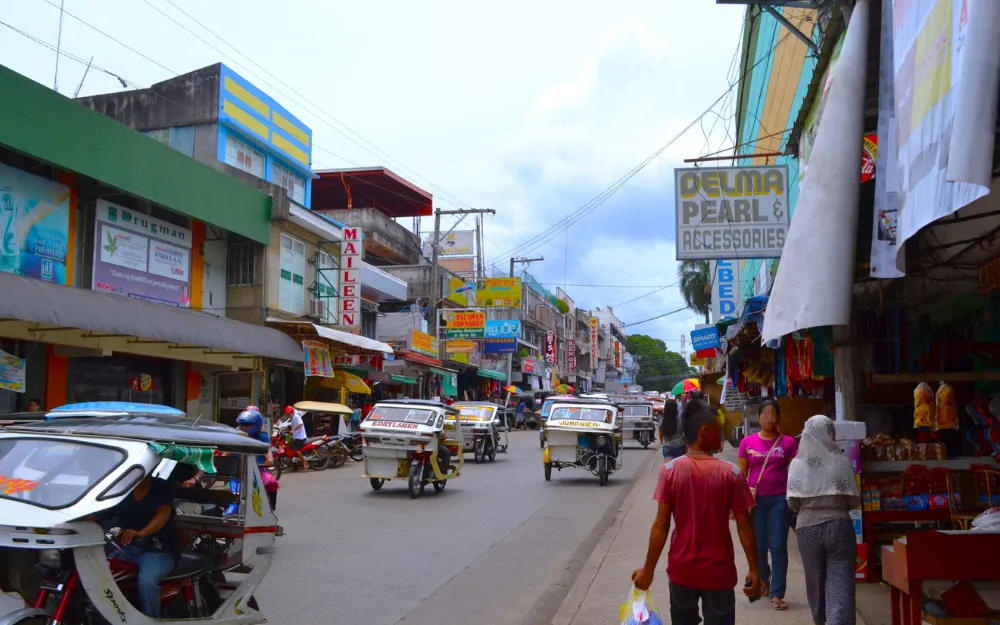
{"x":823,"y":489}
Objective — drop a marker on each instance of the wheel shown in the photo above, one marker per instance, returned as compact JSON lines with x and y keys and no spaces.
{"x":602,"y":478}
{"x":356,"y":454}
{"x":376,"y":483}
{"x":439,"y":486}
{"x":319,"y":459}
{"x":493,"y":454}
{"x":479,"y":451}
{"x":279,"y":466}
{"x":338,"y":456}
{"x":548,"y":472}
{"x":416,"y":481}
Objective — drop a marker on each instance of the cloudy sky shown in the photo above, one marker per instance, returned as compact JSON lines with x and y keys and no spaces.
{"x":533,"y":109}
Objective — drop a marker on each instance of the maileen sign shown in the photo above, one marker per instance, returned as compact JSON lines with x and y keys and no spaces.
{"x":595,"y":326}
{"x":550,"y":347}
{"x":731,"y":212}
{"x":351,"y":249}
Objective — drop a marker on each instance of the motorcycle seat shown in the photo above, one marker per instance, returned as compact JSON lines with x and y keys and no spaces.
{"x":191,"y":565}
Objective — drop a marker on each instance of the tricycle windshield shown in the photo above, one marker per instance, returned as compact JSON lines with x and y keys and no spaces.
{"x":423,"y":416}
{"x":477,"y":413}
{"x":52,"y":474}
{"x":579,"y":413}
{"x":638,"y":411}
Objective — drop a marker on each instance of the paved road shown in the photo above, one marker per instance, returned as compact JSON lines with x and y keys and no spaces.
{"x":499,"y":546}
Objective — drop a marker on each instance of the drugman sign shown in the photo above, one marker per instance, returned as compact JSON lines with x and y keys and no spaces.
{"x":727,"y":289}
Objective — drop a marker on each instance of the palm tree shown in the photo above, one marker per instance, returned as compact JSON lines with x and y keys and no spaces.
{"x":696,"y":285}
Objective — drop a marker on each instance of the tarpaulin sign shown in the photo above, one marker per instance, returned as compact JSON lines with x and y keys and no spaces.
{"x":317,"y":359}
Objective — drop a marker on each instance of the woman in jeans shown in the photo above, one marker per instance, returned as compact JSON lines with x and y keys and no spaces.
{"x":671,"y":432}
{"x":823,"y":489}
{"x":764,"y":458}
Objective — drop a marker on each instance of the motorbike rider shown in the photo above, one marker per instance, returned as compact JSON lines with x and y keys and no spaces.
{"x":444,"y":454}
{"x":298,"y":431}
{"x":252,"y":422}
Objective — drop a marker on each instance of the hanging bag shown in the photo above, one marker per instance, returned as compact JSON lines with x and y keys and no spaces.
{"x":767,"y":459}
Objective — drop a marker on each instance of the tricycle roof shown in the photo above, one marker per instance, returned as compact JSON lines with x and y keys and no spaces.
{"x":586,"y":401}
{"x":105,"y":408}
{"x":476,"y":404}
{"x":418,"y":403}
{"x":147,"y":427}
{"x":13,"y":418}
{"x":320,"y":406}
{"x":633,"y":402}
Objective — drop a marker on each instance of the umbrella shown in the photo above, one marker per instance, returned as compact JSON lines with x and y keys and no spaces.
{"x":564,"y":389}
{"x":512,"y":389}
{"x":691,"y":384}
{"x":345,"y":379}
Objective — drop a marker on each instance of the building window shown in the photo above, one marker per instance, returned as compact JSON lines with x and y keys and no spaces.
{"x":326,"y":274}
{"x":240,"y":263}
{"x":369,"y":323}
{"x":242,"y":156}
{"x":291,"y":286}
{"x":290,"y":181}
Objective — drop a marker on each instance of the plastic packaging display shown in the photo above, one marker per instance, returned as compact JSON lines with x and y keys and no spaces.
{"x":945,"y":408}
{"x":923,"y":406}
{"x":638,"y":609}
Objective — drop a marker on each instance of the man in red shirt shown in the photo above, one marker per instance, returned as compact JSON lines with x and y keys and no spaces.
{"x":701,"y":492}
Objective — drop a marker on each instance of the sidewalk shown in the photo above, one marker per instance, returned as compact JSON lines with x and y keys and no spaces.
{"x":605,"y":579}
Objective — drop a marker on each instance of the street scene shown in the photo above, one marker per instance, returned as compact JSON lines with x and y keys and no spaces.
{"x":558,"y":314}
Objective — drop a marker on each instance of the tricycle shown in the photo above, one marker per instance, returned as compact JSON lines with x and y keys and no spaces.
{"x":70,"y":548}
{"x":638,"y":421}
{"x":483,"y":431}
{"x":413,"y":440}
{"x":583,"y":433}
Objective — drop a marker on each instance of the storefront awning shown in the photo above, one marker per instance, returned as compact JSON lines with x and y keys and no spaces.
{"x":443,"y":371}
{"x":339,"y":336}
{"x":419,"y":358}
{"x":51,"y":313}
{"x":403,"y":379}
{"x":492,"y":375}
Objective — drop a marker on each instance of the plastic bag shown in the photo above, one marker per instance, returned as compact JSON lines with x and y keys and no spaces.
{"x":638,"y":609}
{"x":923,"y":406}
{"x":945,"y":408}
{"x":988,"y":521}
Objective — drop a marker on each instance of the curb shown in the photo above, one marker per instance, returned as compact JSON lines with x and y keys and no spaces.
{"x":578,"y":592}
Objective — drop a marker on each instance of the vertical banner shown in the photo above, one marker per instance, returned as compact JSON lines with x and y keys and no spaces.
{"x":571,"y":356}
{"x":12,"y":370}
{"x":595,"y":327}
{"x":317,"y":359}
{"x":351,"y":249}
{"x":550,"y":347}
{"x":727,"y":291}
{"x":618,"y":354}
{"x":34,"y":226}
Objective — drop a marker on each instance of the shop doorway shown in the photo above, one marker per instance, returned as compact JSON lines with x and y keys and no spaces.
{"x":120,"y":378}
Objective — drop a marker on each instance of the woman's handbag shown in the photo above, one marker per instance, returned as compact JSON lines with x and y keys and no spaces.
{"x":767,"y":459}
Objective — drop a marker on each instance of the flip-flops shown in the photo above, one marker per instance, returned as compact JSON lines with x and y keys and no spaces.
{"x":777,"y":603}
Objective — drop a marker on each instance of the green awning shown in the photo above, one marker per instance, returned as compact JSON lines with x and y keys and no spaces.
{"x":405,"y":379}
{"x":447,"y":388}
{"x":200,"y":457}
{"x":493,"y":375}
{"x":361,"y":372}
{"x":443,"y":372}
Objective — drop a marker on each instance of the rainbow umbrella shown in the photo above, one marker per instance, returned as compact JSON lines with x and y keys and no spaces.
{"x":686,"y":386}
{"x":513,"y":390}
{"x":564,"y":389}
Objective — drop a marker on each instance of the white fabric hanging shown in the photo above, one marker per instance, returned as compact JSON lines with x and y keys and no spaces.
{"x":820,"y":468}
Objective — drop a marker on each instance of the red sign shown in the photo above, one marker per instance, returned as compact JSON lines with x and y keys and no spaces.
{"x":571,"y":356}
{"x":869,"y":155}
{"x":370,"y":361}
{"x":550,"y":347}
{"x":527,"y":365}
{"x":705,"y":353}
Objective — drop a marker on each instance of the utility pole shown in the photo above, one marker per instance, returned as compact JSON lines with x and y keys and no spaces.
{"x":433,"y":321}
{"x":522,"y":261}
{"x":479,"y":247}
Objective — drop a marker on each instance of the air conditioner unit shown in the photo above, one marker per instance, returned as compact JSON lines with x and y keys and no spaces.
{"x":317,"y":308}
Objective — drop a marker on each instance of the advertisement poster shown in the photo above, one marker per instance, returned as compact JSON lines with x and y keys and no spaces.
{"x":349,"y":307}
{"x":12,"y":371}
{"x":460,"y":347}
{"x":731,"y":212}
{"x":500,"y":346}
{"x":503,"y":329}
{"x":499,"y":293}
{"x":459,"y":292}
{"x":705,"y":337}
{"x":527,"y":365}
{"x":618,"y":354}
{"x":595,"y":326}
{"x":571,"y":356}
{"x":141,"y":257}
{"x":465,"y":324}
{"x":34,"y":226}
{"x":457,"y":243}
{"x":550,"y":347}
{"x":423,"y":343}
{"x":317,"y":359}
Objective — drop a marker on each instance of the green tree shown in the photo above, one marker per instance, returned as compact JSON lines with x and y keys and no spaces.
{"x":562,"y":306}
{"x":696,"y":285}
{"x":659,"y":368}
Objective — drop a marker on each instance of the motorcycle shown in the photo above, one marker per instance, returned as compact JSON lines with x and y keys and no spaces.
{"x":314,"y":451}
{"x":583,"y":433}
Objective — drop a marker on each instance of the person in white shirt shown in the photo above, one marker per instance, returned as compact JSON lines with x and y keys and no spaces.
{"x":298,"y":429}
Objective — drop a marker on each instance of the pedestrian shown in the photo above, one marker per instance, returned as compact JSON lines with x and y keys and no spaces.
{"x":700,"y":492}
{"x":823,"y":489}
{"x":299,"y":436}
{"x":356,"y":416}
{"x":34,"y":405}
{"x":671,"y":432}
{"x":521,"y":407}
{"x":764,"y":458}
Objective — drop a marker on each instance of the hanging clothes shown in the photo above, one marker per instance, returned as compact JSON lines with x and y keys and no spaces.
{"x":822,"y":342}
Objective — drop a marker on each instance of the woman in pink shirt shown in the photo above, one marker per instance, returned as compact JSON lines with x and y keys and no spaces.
{"x":764,"y":458}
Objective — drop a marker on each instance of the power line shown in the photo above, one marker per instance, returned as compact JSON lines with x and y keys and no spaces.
{"x":635,"y":323}
{"x":634,"y":299}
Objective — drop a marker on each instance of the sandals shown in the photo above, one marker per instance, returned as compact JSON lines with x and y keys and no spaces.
{"x":777,"y":603}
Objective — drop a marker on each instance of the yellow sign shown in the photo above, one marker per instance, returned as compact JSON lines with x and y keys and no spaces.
{"x":499,"y":293}
{"x":698,"y":362}
{"x":465,"y":319}
{"x":423,"y":343}
{"x":459,"y":357}
{"x":460,"y":346}
{"x":454,"y":284}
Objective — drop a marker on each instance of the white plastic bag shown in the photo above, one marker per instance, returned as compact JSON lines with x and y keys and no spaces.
{"x":988,"y":521}
{"x":638,"y":609}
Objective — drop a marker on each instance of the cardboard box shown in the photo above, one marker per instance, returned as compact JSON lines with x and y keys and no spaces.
{"x":861,"y":565}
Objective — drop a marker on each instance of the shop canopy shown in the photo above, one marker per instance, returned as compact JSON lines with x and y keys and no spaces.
{"x":403,"y":379}
{"x":338,"y":336}
{"x":492,"y":375}
{"x":34,"y":310}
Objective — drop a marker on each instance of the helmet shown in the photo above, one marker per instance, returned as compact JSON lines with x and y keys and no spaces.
{"x":251,"y":416}
{"x":289,"y":410}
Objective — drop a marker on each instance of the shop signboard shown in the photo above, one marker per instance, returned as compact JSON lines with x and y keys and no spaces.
{"x":500,"y":346}
{"x":358,"y":360}
{"x":499,"y":293}
{"x":460,"y":292}
{"x":595,"y":327}
{"x":12,"y":370}
{"x":698,"y":362}
{"x":465,"y":324}
{"x":503,"y":329}
{"x":459,"y":346}
{"x":571,"y":356}
{"x":34,"y":226}
{"x":735,"y":400}
{"x":317,"y":359}
{"x":461,"y":357}
{"x":141,"y":257}
{"x":727,"y":291}
{"x":423,"y":343}
{"x":550,"y":347}
{"x":527,"y":365}
{"x":731,"y":212}
{"x":618,"y":354}
{"x":349,"y":306}
{"x":457,"y":243}
{"x":705,"y":337}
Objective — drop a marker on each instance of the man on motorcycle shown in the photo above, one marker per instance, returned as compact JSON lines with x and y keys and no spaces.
{"x":148,"y":538}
